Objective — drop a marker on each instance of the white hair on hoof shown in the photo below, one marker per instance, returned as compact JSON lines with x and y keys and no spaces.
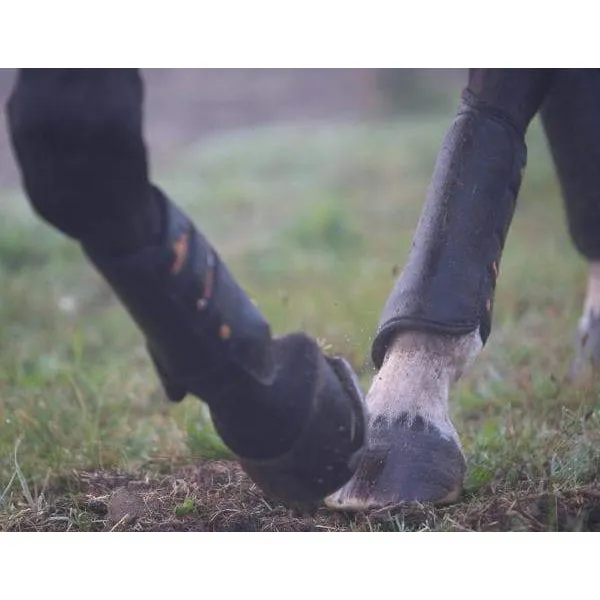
{"x":413,"y":451}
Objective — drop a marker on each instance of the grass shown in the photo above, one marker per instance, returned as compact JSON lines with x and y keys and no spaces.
{"x":315,"y":222}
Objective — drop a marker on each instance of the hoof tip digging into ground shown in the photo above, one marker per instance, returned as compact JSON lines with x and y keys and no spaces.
{"x":405,"y":461}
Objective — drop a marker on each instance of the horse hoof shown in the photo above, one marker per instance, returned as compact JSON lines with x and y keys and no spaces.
{"x":405,"y":461}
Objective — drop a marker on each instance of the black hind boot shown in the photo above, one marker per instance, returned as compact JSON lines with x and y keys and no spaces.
{"x":292,"y":415}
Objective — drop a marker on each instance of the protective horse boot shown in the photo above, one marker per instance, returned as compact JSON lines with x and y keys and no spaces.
{"x":293,"y":416}
{"x":438,"y":316}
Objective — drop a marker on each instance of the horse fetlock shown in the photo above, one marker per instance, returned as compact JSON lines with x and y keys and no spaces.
{"x":417,"y":374}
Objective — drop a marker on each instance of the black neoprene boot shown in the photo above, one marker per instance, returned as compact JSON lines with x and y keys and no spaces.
{"x":293,"y":416}
{"x":449,"y":280}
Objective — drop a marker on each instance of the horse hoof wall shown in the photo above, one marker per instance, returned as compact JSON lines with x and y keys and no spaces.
{"x":404,"y":461}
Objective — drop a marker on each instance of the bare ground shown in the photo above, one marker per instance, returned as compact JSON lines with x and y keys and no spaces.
{"x":217,"y":496}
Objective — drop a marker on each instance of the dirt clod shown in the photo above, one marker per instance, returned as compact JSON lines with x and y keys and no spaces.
{"x":124,"y":507}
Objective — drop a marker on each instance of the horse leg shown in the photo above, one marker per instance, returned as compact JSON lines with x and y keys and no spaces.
{"x":439,"y":314}
{"x":292,"y":415}
{"x":571,"y":119}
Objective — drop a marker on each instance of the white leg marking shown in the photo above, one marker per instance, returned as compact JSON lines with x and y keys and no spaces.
{"x":586,"y":344}
{"x":591,"y":307}
{"x":416,"y":376}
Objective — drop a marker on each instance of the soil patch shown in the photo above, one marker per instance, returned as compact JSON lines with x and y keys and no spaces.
{"x":218,"y":496}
